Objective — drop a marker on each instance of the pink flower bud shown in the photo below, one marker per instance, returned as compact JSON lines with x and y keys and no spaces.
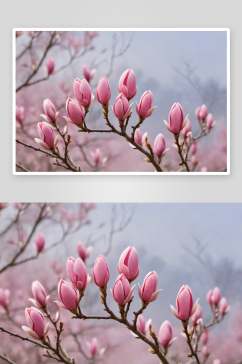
{"x":223,"y":307}
{"x":96,"y":156}
{"x":121,"y":108}
{"x":165,"y":335}
{"x":194,"y":160}
{"x":40,"y":242}
{"x":74,"y":111}
{"x":148,"y":292}
{"x":184,"y":304}
{"x":160,"y":145}
{"x":145,"y":109}
{"x":83,"y":92}
{"x":50,"y":65}
{"x":216,"y":296}
{"x":3,"y":205}
{"x":205,"y":351}
{"x":93,"y":347}
{"x":204,"y":337}
{"x":103,"y":91}
{"x":129,"y":263}
{"x":19,"y":114}
{"x":4,"y":298}
{"x":127,"y":84}
{"x":101,"y":271}
{"x":77,"y":273}
{"x":50,"y":113}
{"x":210,"y":122}
{"x":87,"y":73}
{"x":203,"y":112}
{"x":47,"y":137}
{"x":204,"y":169}
{"x":122,"y":292}
{"x":138,"y":137}
{"x":82,"y":251}
{"x":35,"y":321}
{"x":176,"y":119}
{"x":40,"y":298}
{"x":197,"y":113}
{"x":209,"y":297}
{"x":142,"y":325}
{"x":187,"y":128}
{"x":197,"y":315}
{"x":194,"y":147}
{"x":68,"y":296}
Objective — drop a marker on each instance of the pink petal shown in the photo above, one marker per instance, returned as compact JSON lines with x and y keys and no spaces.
{"x":155,"y":295}
{"x":150,"y":111}
{"x":174,"y":311}
{"x":167,"y":126}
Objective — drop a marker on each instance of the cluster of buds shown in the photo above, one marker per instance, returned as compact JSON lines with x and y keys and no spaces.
{"x":217,"y":303}
{"x":204,"y":118}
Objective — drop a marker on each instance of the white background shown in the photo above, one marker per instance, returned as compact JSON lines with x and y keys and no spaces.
{"x":96,"y":13}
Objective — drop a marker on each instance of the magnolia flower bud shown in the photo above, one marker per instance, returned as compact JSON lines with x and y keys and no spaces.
{"x":122,"y":292}
{"x":87,"y":73}
{"x":184,"y":304}
{"x":75,"y":112}
{"x":50,"y":112}
{"x":197,"y":113}
{"x":35,"y":321}
{"x":148,"y":292}
{"x":47,"y":137}
{"x":129,"y":263}
{"x":103,"y":91}
{"x":194,"y":160}
{"x":216,"y":296}
{"x":50,"y":65}
{"x":68,"y":296}
{"x":82,"y":251}
{"x":40,"y":298}
{"x":205,"y":351}
{"x":142,"y":325}
{"x":145,"y":109}
{"x":40,"y":242}
{"x":19,"y":114}
{"x":187,"y":128}
{"x":165,"y":335}
{"x":176,"y":119}
{"x":101,"y":271}
{"x":197,"y":315}
{"x":160,"y":145}
{"x":127,"y":84}
{"x":210,"y":122}
{"x":194,"y":147}
{"x":83,"y":92}
{"x":203,"y":112}
{"x":93,"y":347}
{"x":77,"y":273}
{"x":4,"y":298}
{"x":223,"y":307}
{"x":121,"y":108}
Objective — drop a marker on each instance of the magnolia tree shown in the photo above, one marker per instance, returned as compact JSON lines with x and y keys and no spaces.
{"x":57,"y":325}
{"x":69,"y":151}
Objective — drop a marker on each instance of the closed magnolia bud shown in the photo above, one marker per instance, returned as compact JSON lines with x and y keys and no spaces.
{"x":127,"y":84}
{"x":50,"y":65}
{"x":103,"y":91}
{"x":210,"y":122}
{"x":50,"y":112}
{"x":87,"y":73}
{"x":209,"y":297}
{"x":35,"y":321}
{"x":197,"y":113}
{"x":165,"y":335}
{"x":40,"y":298}
{"x":96,"y":156}
{"x":121,"y":108}
{"x":205,"y":351}
{"x":145,"y":109}
{"x":223,"y":307}
{"x":142,"y":325}
{"x":40,"y":242}
{"x":19,"y":114}
{"x":4,"y":298}
{"x":68,"y":296}
{"x":138,"y":137}
{"x":47,"y":137}
{"x":216,"y":296}
{"x":148,"y":292}
{"x":160,"y":145}
{"x":194,"y":147}
{"x":197,"y":315}
{"x":203,"y":112}
{"x":187,"y":128}
{"x":194,"y":160}
{"x":83,"y":92}
{"x":83,"y":252}
{"x":129,"y":263}
{"x":204,"y":337}
{"x":176,"y":119}
{"x":101,"y":271}
{"x":75,"y":112}
{"x":77,"y":273}
{"x":93,"y":347}
{"x":184,"y":304}
{"x":122,"y":292}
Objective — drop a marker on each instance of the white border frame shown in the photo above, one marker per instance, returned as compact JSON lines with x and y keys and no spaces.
{"x":121,"y":173}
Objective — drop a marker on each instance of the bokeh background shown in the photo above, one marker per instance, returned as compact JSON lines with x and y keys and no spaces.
{"x":189,"y":67}
{"x":194,"y":244}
